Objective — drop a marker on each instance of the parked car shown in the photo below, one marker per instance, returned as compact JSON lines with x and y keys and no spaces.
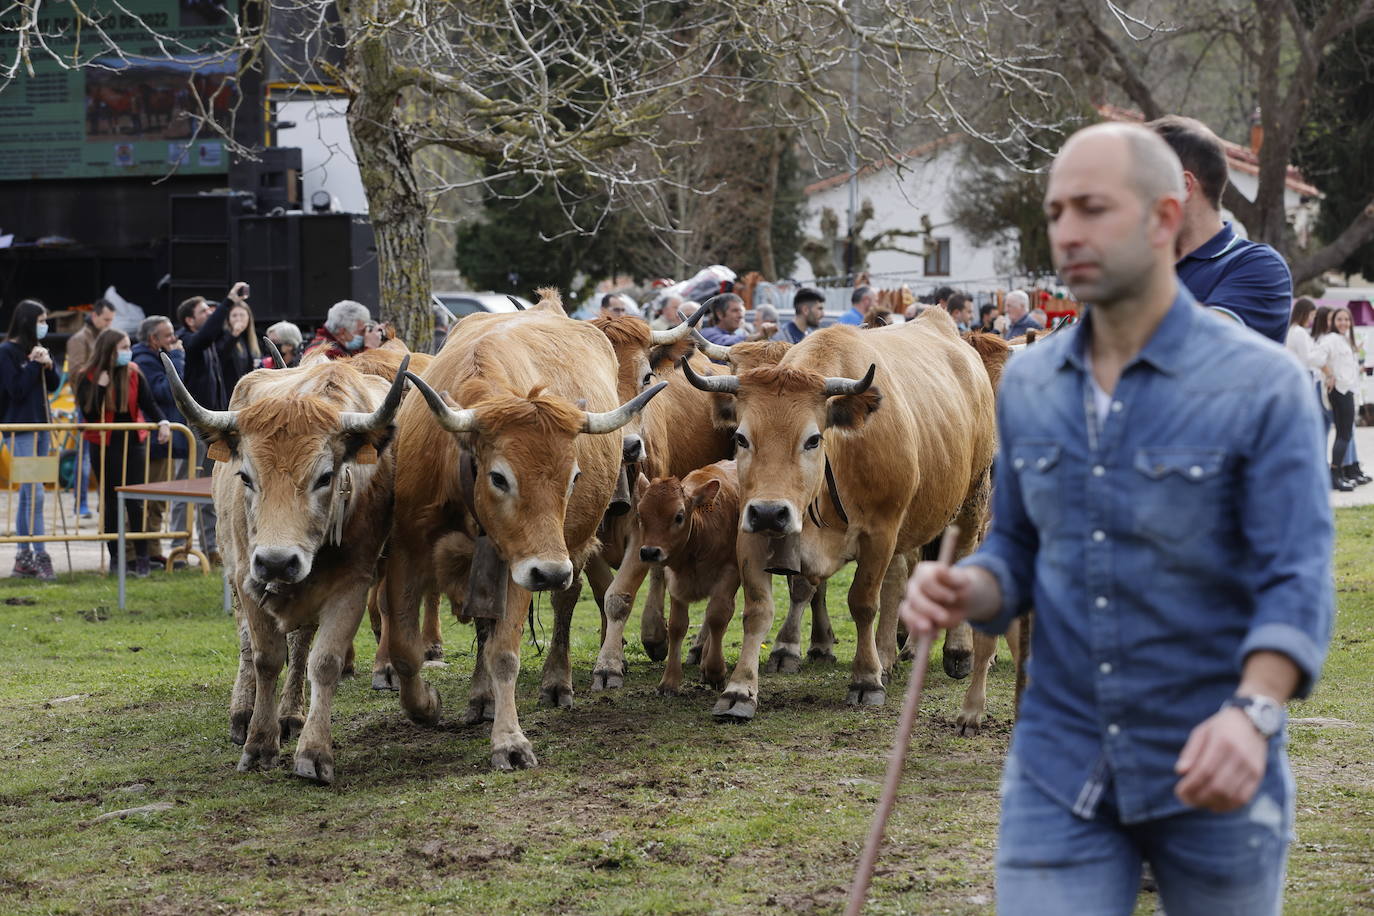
{"x":462,"y":304}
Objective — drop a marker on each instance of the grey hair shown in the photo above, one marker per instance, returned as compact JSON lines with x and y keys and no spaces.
{"x":1018,"y":295}
{"x":148,"y":326}
{"x":344,"y":314}
{"x":284,"y":332}
{"x":764,"y":313}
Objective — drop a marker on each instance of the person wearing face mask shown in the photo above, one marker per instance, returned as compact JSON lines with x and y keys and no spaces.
{"x":111,"y":389}
{"x":344,"y":327}
{"x":26,"y":377}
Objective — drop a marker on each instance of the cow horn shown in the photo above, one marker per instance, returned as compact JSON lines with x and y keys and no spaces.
{"x":838,"y":386}
{"x":455,"y":421}
{"x":356,"y":421}
{"x":612,"y":420}
{"x":225,"y":421}
{"x":720,"y":384}
{"x":272,"y":351}
{"x":714,"y":351}
{"x":673,"y":335}
{"x":515,"y":302}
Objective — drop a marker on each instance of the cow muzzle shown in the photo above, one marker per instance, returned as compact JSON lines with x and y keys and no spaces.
{"x":653,"y":555}
{"x":285,"y":565}
{"x":632,"y":449}
{"x":542,"y":575}
{"x":774,"y":517}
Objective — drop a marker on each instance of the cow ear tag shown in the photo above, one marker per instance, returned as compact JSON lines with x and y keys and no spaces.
{"x":366,"y":454}
{"x":219,"y":451}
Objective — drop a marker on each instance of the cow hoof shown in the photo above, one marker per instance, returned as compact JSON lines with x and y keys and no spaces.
{"x":259,"y":758}
{"x":316,"y":767}
{"x":958,"y":663}
{"x":606,"y":679}
{"x":693,"y":656}
{"x":480,"y":709}
{"x":290,"y":725}
{"x":734,"y":708}
{"x":668,"y":690}
{"x":238,"y":726}
{"x":865,"y":695}
{"x":556,"y":695}
{"x":434,"y":652}
{"x":384,"y":679}
{"x":969,"y":726}
{"x":348,"y":672}
{"x":427,"y":713}
{"x":782,"y":660}
{"x":657,"y":651}
{"x":514,"y":756}
{"x":824,"y":656}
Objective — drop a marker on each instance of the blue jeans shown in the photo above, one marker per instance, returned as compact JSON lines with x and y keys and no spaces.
{"x":1050,"y":862}
{"x":30,"y":521}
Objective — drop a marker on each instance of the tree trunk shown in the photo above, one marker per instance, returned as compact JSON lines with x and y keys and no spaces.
{"x":767,"y":203}
{"x":394,"y":203}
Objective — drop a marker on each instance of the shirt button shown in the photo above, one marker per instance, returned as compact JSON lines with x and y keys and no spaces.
{"x":1113,"y":729}
{"x":1195,"y":470}
{"x":1106,"y":668}
{"x":1040,"y":463}
{"x":1099,"y":535}
{"x":1098,"y":470}
{"x":1019,"y":463}
{"x":1116,"y":406}
{"x":1101,"y":601}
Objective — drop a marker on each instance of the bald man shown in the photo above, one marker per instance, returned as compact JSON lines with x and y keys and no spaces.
{"x":1160,"y":503}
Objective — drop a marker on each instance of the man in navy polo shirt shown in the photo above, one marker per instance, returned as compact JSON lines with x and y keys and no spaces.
{"x":810,"y":309}
{"x":1248,"y":281}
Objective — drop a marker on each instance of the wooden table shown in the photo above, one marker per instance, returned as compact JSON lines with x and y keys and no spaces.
{"x":193,"y":490}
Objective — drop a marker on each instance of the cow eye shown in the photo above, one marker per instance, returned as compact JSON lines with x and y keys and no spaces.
{"x":679,"y":518}
{"x":813,"y":442}
{"x":498,"y":480}
{"x":324,"y":480}
{"x":647,"y":380}
{"x":247,"y":481}
{"x":741,"y":441}
{"x":577,"y":475}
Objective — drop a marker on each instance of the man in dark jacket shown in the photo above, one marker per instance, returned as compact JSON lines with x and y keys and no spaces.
{"x":199,"y":327}
{"x":166,"y":462}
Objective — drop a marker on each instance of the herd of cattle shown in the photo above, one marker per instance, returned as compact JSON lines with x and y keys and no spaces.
{"x":534,"y":449}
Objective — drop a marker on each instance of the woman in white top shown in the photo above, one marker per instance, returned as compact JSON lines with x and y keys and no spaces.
{"x":1299,"y":339}
{"x":1341,"y":370}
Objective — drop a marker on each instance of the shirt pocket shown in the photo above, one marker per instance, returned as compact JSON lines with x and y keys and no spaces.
{"x":1036,"y":464}
{"x":1179,"y":494}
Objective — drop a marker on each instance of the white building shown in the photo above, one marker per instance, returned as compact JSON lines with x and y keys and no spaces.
{"x":914,"y":191}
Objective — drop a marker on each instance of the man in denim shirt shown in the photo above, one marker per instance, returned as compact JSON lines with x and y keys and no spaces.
{"x":1160,"y":504}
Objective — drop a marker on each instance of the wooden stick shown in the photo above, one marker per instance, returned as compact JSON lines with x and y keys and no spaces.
{"x":858,"y":891}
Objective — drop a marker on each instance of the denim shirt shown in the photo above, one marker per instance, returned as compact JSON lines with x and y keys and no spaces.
{"x":1158,"y":550}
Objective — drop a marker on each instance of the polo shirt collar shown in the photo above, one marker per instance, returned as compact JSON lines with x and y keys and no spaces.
{"x":1214,"y":247}
{"x":1165,"y":350}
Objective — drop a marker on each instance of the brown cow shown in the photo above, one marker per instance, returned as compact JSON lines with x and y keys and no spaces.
{"x":689,"y":527}
{"x":511,"y":480}
{"x":674,"y":436}
{"x":303,"y":476}
{"x":857,"y":471}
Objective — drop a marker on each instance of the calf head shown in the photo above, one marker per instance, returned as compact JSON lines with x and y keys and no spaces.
{"x":666,"y":510}
{"x":522,"y":461}
{"x":781,"y":416}
{"x":301,"y":456}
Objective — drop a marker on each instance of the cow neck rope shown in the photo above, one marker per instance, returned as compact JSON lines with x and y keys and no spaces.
{"x":338,"y":508}
{"x":814,"y":509}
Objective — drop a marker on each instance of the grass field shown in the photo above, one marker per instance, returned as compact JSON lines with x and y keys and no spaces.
{"x":642,"y":804}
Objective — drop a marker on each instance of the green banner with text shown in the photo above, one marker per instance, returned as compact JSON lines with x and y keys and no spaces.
{"x":130,"y":92}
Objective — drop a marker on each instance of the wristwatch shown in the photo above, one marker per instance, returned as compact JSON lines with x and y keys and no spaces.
{"x":1265,"y":714}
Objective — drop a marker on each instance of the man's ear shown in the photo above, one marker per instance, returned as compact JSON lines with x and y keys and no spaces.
{"x":705,"y":495}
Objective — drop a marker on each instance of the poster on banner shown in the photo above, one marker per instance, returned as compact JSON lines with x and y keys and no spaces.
{"x":140,"y":100}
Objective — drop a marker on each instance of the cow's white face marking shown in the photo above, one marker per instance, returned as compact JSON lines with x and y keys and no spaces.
{"x":502,"y":482}
{"x":572,"y":479}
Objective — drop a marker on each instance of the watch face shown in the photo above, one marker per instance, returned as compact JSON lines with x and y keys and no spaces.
{"x":1266,"y":717}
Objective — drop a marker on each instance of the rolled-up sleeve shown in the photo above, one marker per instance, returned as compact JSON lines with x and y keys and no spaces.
{"x":1286,"y":516}
{"x":1008,"y":551}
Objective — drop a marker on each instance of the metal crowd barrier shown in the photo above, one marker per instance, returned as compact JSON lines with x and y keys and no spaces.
{"x":67,"y":449}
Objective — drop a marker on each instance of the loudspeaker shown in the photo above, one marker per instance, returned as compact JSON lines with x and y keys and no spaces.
{"x":274,"y":179}
{"x":338,"y":261}
{"x":267,"y":257}
{"x":207,"y":216}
